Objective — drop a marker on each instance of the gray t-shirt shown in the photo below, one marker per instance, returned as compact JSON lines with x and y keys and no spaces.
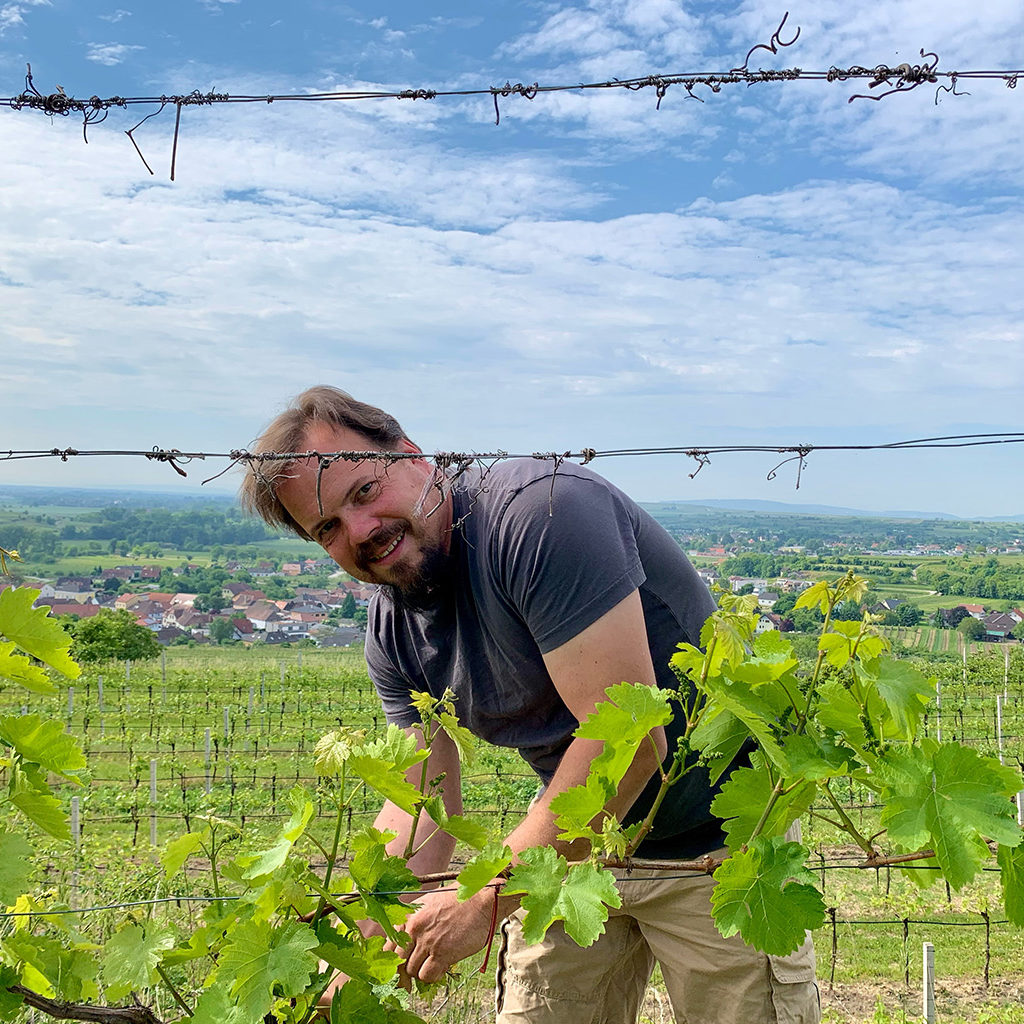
{"x":538,"y":559}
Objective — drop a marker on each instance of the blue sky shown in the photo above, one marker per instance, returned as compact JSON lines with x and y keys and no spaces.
{"x":772,"y":266}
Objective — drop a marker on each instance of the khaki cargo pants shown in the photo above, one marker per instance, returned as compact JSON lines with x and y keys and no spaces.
{"x":710,"y":980}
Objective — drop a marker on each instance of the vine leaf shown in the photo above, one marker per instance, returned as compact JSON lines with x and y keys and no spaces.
{"x":951,"y":798}
{"x":18,"y":669}
{"x":50,"y":969}
{"x":1011,"y":865}
{"x":266,"y":861}
{"x":130,"y":958}
{"x":264,"y":963}
{"x":34,"y":631}
{"x":177,"y":851}
{"x":358,"y":1001}
{"x":767,"y":895}
{"x":382,"y":765}
{"x":214,"y":1006}
{"x":482,"y":869}
{"x":359,"y":958}
{"x":465,"y":830}
{"x":579,"y":898}
{"x":44,"y":742}
{"x":44,"y":811}
{"x":741,"y":800}
{"x":905,"y":690}
{"x":15,"y":869}
{"x":578,"y":806}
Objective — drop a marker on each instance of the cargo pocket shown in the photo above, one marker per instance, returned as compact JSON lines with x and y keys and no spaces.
{"x":795,"y":996}
{"x":501,"y":967}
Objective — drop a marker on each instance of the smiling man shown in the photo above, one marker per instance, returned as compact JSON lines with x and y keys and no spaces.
{"x":527,"y":594}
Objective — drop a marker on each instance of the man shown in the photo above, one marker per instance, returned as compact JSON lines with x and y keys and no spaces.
{"x":528,"y":592}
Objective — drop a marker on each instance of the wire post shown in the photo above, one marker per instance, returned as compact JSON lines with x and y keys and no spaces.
{"x":929,"y":983}
{"x":999,"y":727}
{"x":99,"y":692}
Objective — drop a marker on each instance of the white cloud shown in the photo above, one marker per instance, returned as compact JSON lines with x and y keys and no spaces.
{"x":110,"y":54}
{"x":13,"y":14}
{"x":118,"y":15}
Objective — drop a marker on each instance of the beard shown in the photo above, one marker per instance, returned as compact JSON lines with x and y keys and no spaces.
{"x":420,"y":587}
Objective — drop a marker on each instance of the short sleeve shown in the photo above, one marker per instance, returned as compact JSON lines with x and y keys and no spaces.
{"x":566,"y":553}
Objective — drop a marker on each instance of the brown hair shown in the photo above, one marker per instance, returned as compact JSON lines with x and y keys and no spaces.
{"x":320,"y":404}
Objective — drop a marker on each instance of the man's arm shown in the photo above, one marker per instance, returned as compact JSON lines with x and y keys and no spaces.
{"x":611,"y":650}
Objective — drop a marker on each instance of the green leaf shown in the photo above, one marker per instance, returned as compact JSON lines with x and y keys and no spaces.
{"x":1011,"y":873}
{"x":623,"y":722}
{"x":743,"y":798}
{"x":215,"y":1006}
{"x":130,"y":958}
{"x":43,"y":811}
{"x":15,"y":867}
{"x":44,"y":742}
{"x":905,"y":690}
{"x":265,"y":963}
{"x":34,"y":631}
{"x":576,"y":808}
{"x":10,"y":1002}
{"x":382,"y":765}
{"x":18,"y":669}
{"x":482,"y":869}
{"x":177,"y":851}
{"x":759,"y":710}
{"x":767,"y":895}
{"x":266,"y":861}
{"x":719,"y":736}
{"x":51,"y":969}
{"x":817,"y":594}
{"x":358,"y":957}
{"x":464,"y":740}
{"x":332,"y":751}
{"x":579,"y":898}
{"x":818,"y":757}
{"x":951,"y":798}
{"x":467,"y":831}
{"x":357,"y":1001}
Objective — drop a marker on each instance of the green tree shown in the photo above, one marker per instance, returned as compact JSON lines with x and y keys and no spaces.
{"x":113,"y":635}
{"x":348,"y":607}
{"x":221,"y":629}
{"x":971,"y":628}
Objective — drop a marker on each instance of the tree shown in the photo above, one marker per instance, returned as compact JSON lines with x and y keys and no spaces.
{"x":971,"y":628}
{"x":113,"y":635}
{"x":221,"y":629}
{"x":348,"y":607}
{"x":908,"y":615}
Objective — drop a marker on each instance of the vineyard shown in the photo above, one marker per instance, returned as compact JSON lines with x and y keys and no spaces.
{"x":204,"y":735}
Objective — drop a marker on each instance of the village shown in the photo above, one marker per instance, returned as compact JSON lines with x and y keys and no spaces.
{"x":330,"y":616}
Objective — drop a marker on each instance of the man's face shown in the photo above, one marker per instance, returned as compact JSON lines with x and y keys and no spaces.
{"x":373,"y":522}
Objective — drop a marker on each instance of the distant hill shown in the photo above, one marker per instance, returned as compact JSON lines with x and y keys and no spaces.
{"x":96,"y":497}
{"x":786,"y":508}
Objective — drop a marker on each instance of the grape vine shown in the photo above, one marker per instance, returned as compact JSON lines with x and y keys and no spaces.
{"x":275,"y":930}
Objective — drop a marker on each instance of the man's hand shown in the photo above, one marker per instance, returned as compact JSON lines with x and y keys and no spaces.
{"x":443,"y":931}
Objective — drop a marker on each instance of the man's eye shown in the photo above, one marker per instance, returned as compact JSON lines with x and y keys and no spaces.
{"x":325,"y":531}
{"x":367,"y":489}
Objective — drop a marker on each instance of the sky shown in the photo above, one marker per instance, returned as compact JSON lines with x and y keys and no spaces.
{"x":772,"y":266}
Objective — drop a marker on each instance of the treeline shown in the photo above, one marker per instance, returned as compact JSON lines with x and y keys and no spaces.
{"x":768,"y":566}
{"x":984,"y":579}
{"x":184,"y":530}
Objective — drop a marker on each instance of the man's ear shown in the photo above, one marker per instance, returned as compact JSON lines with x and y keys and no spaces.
{"x":405,"y":445}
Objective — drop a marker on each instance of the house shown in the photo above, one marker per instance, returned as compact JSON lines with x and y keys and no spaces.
{"x":73,"y":588}
{"x":343,"y":636}
{"x":999,"y":625}
{"x":976,"y":611}
{"x":767,"y":598}
{"x":79,"y":611}
{"x":168,"y":634}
